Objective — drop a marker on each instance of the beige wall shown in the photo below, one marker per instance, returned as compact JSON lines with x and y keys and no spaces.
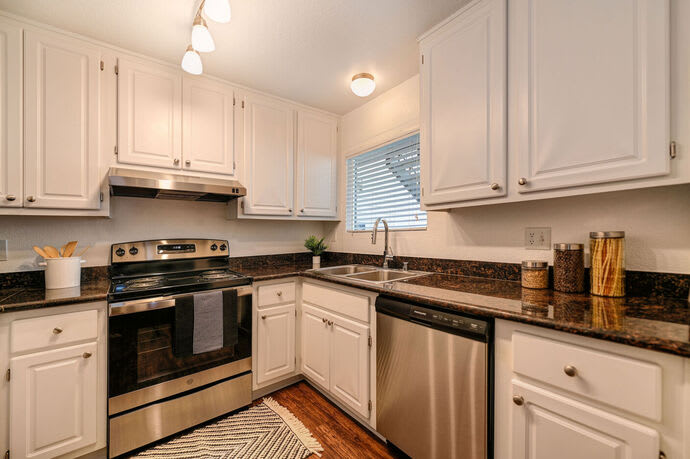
{"x":137,"y":219}
{"x":656,"y":220}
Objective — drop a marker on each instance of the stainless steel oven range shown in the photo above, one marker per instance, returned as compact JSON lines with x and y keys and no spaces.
{"x":162,"y":376}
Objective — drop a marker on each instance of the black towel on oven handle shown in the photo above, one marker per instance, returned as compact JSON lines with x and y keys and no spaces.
{"x":184,"y":323}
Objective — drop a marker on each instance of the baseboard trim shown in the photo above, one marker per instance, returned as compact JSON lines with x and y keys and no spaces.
{"x":262,"y":392}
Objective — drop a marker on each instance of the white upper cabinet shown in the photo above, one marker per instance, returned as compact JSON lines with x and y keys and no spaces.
{"x":61,"y":122}
{"x":463,"y":106}
{"x":317,"y":164}
{"x":208,"y":126}
{"x":590,"y":80}
{"x":149,"y":114}
{"x":269,"y":126}
{"x":10,"y":114}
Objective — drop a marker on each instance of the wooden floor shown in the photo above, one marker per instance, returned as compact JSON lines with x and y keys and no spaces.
{"x":339,"y":434}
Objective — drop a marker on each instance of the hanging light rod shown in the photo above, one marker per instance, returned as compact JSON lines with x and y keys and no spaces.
{"x":202,"y":41}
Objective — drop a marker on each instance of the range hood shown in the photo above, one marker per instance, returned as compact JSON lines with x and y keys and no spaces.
{"x":159,"y":185}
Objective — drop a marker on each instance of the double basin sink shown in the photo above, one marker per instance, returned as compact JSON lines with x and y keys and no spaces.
{"x":368,"y":274}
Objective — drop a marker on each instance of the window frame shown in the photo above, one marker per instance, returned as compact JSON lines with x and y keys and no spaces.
{"x":368,"y":149}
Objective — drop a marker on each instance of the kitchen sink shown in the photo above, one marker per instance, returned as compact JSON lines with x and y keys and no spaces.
{"x":369,"y":274}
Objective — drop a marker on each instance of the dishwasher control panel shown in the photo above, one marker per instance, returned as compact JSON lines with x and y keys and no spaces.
{"x":463,"y":323}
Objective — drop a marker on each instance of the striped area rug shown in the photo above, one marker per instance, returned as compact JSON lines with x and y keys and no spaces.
{"x":267,"y":430}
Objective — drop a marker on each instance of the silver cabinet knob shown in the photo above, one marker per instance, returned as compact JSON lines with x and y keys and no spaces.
{"x":279,"y":293}
{"x":31,"y":198}
{"x":10,"y":197}
{"x":86,"y":355}
{"x":188,"y":163}
{"x":57,"y":330}
{"x":301,"y":210}
{"x":290,"y":210}
{"x":330,"y":323}
{"x":495,"y":186}
{"x":323,"y":319}
{"x":570,"y":370}
{"x":518,"y":400}
{"x":522,"y":181}
{"x":263,"y":317}
{"x":176,"y":161}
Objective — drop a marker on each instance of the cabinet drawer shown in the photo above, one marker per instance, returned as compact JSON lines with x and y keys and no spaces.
{"x":625,"y":383}
{"x":276,"y":294}
{"x":355,"y":306}
{"x":55,"y":330}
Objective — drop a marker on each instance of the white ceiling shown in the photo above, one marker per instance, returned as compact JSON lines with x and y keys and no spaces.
{"x":304,"y":50}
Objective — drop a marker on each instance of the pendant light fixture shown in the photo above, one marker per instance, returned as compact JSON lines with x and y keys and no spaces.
{"x":202,"y":40}
{"x":363,"y":84}
{"x":191,"y":61}
{"x":217,"y":10}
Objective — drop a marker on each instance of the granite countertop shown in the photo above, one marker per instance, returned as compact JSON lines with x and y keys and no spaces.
{"x":23,"y":298}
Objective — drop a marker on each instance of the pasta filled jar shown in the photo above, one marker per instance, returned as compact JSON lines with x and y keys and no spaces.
{"x":607,"y":267}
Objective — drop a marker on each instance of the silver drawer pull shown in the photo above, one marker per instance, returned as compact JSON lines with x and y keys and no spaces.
{"x":263,"y":317}
{"x":570,"y":370}
{"x":86,"y":355}
{"x":518,"y":400}
{"x":495,"y":186}
{"x":10,"y":197}
{"x":279,"y":293}
{"x":57,"y":330}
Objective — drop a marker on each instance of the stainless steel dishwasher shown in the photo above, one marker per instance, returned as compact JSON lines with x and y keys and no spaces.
{"x":433,"y":397}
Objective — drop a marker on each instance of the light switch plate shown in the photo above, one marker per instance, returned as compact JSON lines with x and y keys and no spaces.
{"x":538,"y":238}
{"x":3,"y":249}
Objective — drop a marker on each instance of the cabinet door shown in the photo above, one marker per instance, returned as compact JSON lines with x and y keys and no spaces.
{"x":591,"y":87}
{"x":317,"y":162}
{"x":208,"y":126}
{"x":350,"y":363}
{"x":315,"y":345}
{"x":268,"y":156}
{"x":61,"y":122}
{"x":548,"y":425}
{"x":276,"y":342}
{"x":149,"y":107}
{"x":463,"y":106}
{"x":10,"y":114}
{"x":53,"y":401}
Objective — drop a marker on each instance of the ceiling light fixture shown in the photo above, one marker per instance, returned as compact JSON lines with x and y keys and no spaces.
{"x":217,"y":10}
{"x":202,"y":40}
{"x":363,"y":84}
{"x":191,"y":61}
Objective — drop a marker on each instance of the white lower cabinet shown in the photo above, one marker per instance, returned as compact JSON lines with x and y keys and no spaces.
{"x":315,"y":349}
{"x":276,"y":342}
{"x":349,"y":359}
{"x":53,"y":401}
{"x":547,"y":425}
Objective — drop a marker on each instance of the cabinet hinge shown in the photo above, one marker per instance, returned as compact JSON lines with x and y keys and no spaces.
{"x":8,"y":374}
{"x":422,"y":59}
{"x":100,"y":196}
{"x":234,"y":165}
{"x":422,"y":191}
{"x":115,"y":149}
{"x":117,"y":70}
{"x":242,"y":205}
{"x":102,"y":65}
{"x":672,"y":149}
{"x":7,"y":454}
{"x":234,"y":102}
{"x":370,"y":341}
{"x":242,"y":104}
{"x":369,"y":405}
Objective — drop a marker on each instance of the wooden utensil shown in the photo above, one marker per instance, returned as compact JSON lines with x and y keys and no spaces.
{"x":81,"y":254}
{"x":41,"y":252}
{"x":62,"y":250}
{"x":69,"y":248}
{"x":51,"y":251}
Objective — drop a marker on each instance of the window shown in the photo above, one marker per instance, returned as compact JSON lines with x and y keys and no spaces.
{"x":385,"y":183}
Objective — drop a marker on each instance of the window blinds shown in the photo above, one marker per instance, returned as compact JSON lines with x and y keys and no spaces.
{"x":385,"y":183}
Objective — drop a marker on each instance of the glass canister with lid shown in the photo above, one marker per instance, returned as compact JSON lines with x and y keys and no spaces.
{"x":607,"y":263}
{"x":535,"y":274}
{"x":569,"y":267}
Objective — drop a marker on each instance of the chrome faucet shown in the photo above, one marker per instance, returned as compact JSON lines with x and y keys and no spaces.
{"x":387,"y":252}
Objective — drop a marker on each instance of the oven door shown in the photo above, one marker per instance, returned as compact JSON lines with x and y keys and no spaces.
{"x":142,"y":361}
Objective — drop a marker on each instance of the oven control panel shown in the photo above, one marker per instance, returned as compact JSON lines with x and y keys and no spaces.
{"x":168,"y":249}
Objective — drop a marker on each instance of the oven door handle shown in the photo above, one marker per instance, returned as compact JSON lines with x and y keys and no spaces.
{"x":162,"y":302}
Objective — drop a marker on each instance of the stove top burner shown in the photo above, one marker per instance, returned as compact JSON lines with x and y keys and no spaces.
{"x":217,"y":274}
{"x":143,"y":282}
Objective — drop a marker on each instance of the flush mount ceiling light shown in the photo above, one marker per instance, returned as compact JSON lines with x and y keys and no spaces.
{"x":363,"y":84}
{"x":191,"y":61}
{"x":217,"y":10}
{"x":202,"y":40}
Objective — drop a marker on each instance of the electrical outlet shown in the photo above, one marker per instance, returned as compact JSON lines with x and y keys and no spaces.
{"x":3,"y":249}
{"x":538,"y":238}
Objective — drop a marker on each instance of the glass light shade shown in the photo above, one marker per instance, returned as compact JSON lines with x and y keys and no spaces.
{"x":202,"y":40}
{"x":191,"y":62}
{"x":363,"y":84}
{"x":217,"y":10}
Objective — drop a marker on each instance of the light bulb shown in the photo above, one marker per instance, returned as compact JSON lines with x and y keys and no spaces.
{"x":202,"y":40}
{"x":191,"y":61}
{"x":363,"y":84}
{"x":217,"y":10}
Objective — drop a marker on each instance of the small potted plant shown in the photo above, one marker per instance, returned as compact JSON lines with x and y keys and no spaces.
{"x":316,"y":247}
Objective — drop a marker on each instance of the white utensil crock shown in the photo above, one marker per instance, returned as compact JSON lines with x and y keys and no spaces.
{"x":63,"y":272}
